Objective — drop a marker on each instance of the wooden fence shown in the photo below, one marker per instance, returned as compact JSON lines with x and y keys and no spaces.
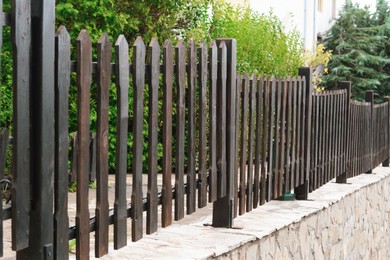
{"x":233,"y":140}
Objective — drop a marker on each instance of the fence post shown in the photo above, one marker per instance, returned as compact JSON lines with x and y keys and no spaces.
{"x":342,"y":178}
{"x":223,"y":207}
{"x":302,"y":190}
{"x":385,"y":163}
{"x":370,"y":98}
{"x":42,"y":130}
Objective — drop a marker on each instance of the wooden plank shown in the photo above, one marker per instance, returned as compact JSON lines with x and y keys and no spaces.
{"x":166,"y":189}
{"x":221,"y":120}
{"x":337,"y":133}
{"x":305,"y":133}
{"x":21,"y":49}
{"x":316,"y":138}
{"x":276,"y":144}
{"x":243,"y":145}
{"x":282,"y":136}
{"x":103,"y":87}
{"x":251,"y":137}
{"x":271,"y":141}
{"x":84,"y":80}
{"x":154,"y":80}
{"x":203,"y":57}
{"x":237,"y":137}
{"x":287,"y":154}
{"x":180,"y":125}
{"x":62,"y":84}
{"x":264,"y":144}
{"x":331,"y":134}
{"x":370,"y":98}
{"x":3,"y":158}
{"x":299,"y":129}
{"x":138,"y":75}
{"x":294,"y":133}
{"x":191,"y":137}
{"x":213,"y":67}
{"x":122,"y":92}
{"x":258,"y":140}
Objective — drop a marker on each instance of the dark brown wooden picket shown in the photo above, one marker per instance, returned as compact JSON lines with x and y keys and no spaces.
{"x":62,"y":84}
{"x":154,"y":78}
{"x":166,"y":190}
{"x":138,"y":76}
{"x":180,"y":128}
{"x":203,"y":74}
{"x":122,"y":88}
{"x":103,"y":85}
{"x":213,"y":75}
{"x":84,"y":79}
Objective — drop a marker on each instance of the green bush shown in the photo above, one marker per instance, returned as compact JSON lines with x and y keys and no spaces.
{"x":263,"y":45}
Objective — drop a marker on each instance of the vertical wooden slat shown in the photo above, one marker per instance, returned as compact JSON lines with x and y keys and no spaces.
{"x":327,"y":135}
{"x":387,"y":126}
{"x":202,"y":193}
{"x":277,"y":131}
{"x":299,"y":130}
{"x":138,"y":76}
{"x":103,"y":86}
{"x":84,"y":79}
{"x":282,"y":136}
{"x":264,"y":144}
{"x":287,"y":154}
{"x":331,"y":135}
{"x":21,"y":48}
{"x":258,"y":139}
{"x":3,"y":158}
{"x":166,"y":190}
{"x":252,"y":110}
{"x":191,"y":137}
{"x":317,"y":138}
{"x":370,"y":99}
{"x":122,"y":90}
{"x":180,"y":124}
{"x":305,"y":133}
{"x":154,"y":80}
{"x":243,"y":147}
{"x":62,"y":83}
{"x":271,"y":140}
{"x":221,"y":120}
{"x":213,"y":67}
{"x":237,"y":158}
{"x":294,"y":134}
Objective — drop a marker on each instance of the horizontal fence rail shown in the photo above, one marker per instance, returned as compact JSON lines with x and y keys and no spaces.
{"x":197,"y":132}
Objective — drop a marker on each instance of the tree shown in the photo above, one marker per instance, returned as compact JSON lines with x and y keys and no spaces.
{"x":359,"y":40}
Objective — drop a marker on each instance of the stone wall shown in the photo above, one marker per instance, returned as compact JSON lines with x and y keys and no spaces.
{"x":355,"y":226}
